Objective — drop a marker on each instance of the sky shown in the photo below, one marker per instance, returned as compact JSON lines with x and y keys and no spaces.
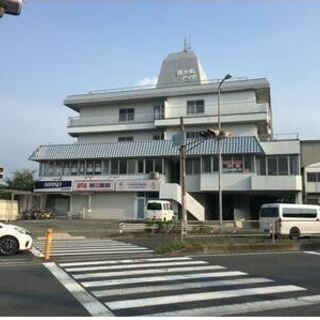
{"x":57,"y":48}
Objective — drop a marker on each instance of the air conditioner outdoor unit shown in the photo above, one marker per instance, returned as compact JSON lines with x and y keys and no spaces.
{"x":154,"y":175}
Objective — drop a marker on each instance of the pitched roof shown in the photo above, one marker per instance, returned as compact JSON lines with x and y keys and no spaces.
{"x":147,"y":148}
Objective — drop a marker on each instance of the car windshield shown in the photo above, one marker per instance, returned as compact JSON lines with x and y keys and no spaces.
{"x":154,"y":206}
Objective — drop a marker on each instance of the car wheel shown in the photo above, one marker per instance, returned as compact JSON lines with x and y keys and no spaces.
{"x":8,"y":245}
{"x":294,"y":233}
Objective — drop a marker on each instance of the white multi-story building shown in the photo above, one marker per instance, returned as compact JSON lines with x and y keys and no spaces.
{"x":125,"y":155}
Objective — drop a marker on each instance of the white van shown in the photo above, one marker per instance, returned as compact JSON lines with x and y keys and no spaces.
{"x":295,"y":220}
{"x":159,"y":210}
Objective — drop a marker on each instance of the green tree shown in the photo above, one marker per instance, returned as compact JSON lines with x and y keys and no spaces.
{"x":22,"y":180}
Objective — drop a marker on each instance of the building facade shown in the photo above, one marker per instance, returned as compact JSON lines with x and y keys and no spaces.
{"x":126,"y":150}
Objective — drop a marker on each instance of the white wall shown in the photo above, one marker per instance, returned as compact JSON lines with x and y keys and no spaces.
{"x":281,"y":147}
{"x":113,"y":136}
{"x":234,"y":102}
{"x":143,"y":111}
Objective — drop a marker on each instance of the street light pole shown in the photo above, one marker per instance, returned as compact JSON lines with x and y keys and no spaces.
{"x":184,"y":221}
{"x":219,"y":138}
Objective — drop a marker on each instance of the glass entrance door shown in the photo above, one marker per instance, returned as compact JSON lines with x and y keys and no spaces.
{"x":140,"y":208}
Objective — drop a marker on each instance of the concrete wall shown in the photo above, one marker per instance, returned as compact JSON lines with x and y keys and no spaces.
{"x":310,"y":152}
{"x":235,"y":102}
{"x":113,"y":136}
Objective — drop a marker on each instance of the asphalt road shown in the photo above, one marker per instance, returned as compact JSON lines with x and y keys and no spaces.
{"x":32,"y":289}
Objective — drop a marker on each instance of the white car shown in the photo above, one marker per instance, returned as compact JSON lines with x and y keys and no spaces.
{"x":159,"y":210}
{"x":14,"y":239}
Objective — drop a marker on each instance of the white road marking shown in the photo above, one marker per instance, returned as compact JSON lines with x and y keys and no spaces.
{"x":107,"y":262}
{"x":200,"y":296}
{"x":99,"y":252}
{"x":94,"y":307}
{"x":98,"y":249}
{"x":312,"y":252}
{"x":142,"y":280}
{"x":144,"y":271}
{"x":117,"y":245}
{"x":36,"y":252}
{"x":179,"y":286}
{"x":134,"y":266}
{"x":241,"y":308}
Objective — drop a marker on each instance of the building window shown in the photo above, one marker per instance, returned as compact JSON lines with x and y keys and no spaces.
{"x":294,"y":164}
{"x":106,"y":169}
{"x":114,"y":166}
{"x":158,"y":165}
{"x":193,"y":166}
{"x":193,"y":134}
{"x":58,"y":169}
{"x":66,"y":169}
{"x":261,"y":166}
{"x":74,"y":168}
{"x":126,"y":115}
{"x":82,"y":167}
{"x":123,"y":168}
{"x":149,"y":165}
{"x":140,"y":166}
{"x":195,"y":106}
{"x":158,"y":112}
{"x":273,"y":166}
{"x":98,"y":168}
{"x":206,"y":164}
{"x":131,"y":166}
{"x":90,"y":167}
{"x":312,"y":177}
{"x":122,"y":139}
{"x":158,"y":136}
{"x":283,"y":165}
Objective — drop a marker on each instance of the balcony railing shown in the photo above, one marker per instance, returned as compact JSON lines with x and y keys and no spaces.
{"x":100,"y":121}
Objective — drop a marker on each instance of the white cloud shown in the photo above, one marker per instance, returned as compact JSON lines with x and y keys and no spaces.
{"x":148,"y":81}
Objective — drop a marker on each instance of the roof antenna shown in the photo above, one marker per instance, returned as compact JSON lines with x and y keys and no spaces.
{"x":187,"y":43}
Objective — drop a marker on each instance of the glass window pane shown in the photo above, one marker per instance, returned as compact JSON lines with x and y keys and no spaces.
{"x":123,"y":166}
{"x":227,"y":164}
{"x":312,"y":177}
{"x":200,"y":106}
{"x":74,"y":168}
{"x":215,"y":164}
{"x":283,"y":165}
{"x":149,"y":165}
{"x":140,"y":166}
{"x":261,"y":166}
{"x":158,"y":165}
{"x":131,"y":166}
{"x":114,"y":166}
{"x":294,"y":165}
{"x":248,"y":164}
{"x":272,"y":166}
{"x":206,"y":165}
{"x":98,"y":168}
{"x":82,"y":168}
{"x":237,"y":164}
{"x":106,"y":167}
{"x":196,"y":166}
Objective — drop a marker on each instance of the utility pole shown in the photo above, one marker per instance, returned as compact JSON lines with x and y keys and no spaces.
{"x":184,"y":222}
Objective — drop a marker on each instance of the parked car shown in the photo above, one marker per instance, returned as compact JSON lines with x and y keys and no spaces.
{"x":159,"y":210}
{"x":294,"y":220}
{"x":13,"y":239}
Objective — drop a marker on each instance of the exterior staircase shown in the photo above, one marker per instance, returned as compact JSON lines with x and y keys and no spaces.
{"x":172,"y":191}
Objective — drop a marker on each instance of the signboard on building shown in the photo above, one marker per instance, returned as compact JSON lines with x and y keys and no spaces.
{"x":97,"y":185}
{"x":52,"y":186}
{"x":137,"y":185}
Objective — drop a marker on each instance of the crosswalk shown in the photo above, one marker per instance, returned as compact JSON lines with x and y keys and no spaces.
{"x":173,"y":286}
{"x":87,"y":247}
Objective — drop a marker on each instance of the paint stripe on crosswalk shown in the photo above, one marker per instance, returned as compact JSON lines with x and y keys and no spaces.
{"x":179,"y":286}
{"x":133,"y":266}
{"x":99,"y":252}
{"x":108,"y":262}
{"x":145,"y":271}
{"x":242,"y":308}
{"x":202,"y":296}
{"x":112,"y":282}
